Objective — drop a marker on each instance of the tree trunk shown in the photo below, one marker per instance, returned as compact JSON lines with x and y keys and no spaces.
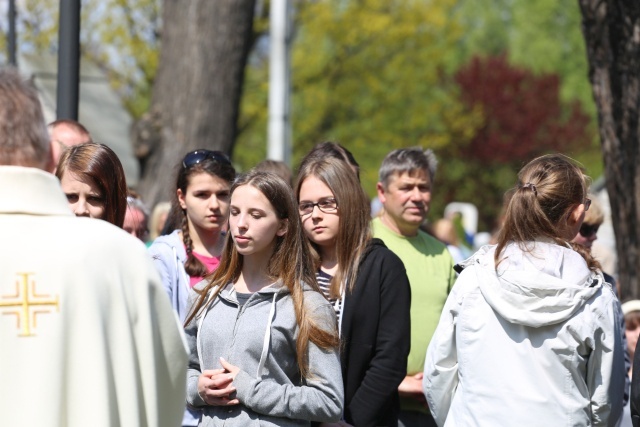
{"x":611,"y":30}
{"x":197,"y":90}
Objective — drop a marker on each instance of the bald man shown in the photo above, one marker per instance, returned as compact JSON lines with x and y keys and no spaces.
{"x":65,"y":133}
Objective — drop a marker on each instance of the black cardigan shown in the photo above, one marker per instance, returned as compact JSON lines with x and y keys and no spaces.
{"x":376,"y":338}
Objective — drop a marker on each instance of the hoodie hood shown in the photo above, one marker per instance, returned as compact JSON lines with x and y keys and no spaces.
{"x":174,"y":241}
{"x":542,"y":285}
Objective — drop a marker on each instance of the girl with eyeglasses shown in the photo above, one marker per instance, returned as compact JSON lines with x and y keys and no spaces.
{"x":367,"y":285}
{"x":530,"y":333}
{"x":263,"y":342}
{"x":201,"y":205}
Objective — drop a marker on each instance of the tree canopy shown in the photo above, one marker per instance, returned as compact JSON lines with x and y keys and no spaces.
{"x":376,"y":75}
{"x":543,"y":36}
{"x":524,"y":117}
{"x":121,"y":36}
{"x":370,"y":75}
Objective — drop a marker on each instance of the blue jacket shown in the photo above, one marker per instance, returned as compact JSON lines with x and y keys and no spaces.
{"x":169,"y":256}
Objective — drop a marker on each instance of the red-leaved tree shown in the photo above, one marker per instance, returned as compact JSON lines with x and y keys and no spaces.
{"x":524,"y":114}
{"x":524,"y":118}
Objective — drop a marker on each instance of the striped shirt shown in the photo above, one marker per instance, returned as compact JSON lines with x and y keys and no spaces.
{"x":324,"y":281}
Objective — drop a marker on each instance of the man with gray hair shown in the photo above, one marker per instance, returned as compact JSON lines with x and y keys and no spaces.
{"x":404,"y":189}
{"x":88,"y":335}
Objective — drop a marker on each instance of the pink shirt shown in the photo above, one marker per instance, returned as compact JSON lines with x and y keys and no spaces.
{"x":210,"y":262}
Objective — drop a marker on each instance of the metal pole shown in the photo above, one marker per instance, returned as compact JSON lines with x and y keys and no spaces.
{"x":68,"y":60}
{"x":12,"y":34}
{"x":279,"y":141}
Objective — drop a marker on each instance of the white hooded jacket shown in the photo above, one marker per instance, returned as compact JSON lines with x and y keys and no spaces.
{"x":536,"y":343}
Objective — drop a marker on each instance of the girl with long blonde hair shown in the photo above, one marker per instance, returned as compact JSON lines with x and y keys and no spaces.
{"x":263,"y":341}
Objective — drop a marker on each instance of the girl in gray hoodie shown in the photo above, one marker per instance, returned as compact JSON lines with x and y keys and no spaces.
{"x":263,"y":340}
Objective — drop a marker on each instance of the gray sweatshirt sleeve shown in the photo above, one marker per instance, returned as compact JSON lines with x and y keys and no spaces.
{"x":320,"y":398}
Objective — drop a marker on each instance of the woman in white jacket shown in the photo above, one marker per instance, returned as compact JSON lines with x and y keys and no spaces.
{"x":529,"y":335}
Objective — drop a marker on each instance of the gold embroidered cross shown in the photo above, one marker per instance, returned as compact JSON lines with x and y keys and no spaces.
{"x":27,"y":305}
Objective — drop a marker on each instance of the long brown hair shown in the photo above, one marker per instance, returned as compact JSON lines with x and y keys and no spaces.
{"x":334,"y":150}
{"x":549,"y":188}
{"x":290,"y":263}
{"x":218,"y":166}
{"x":100,"y":165}
{"x":354,"y":232}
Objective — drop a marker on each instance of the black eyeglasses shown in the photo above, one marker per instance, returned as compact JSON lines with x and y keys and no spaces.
{"x":587,"y":203}
{"x":588,"y":230}
{"x":327,"y":205}
{"x":197,"y":156}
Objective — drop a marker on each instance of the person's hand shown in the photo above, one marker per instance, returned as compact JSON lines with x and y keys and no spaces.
{"x":215,"y":388}
{"x":229,"y":368}
{"x":411,"y":387}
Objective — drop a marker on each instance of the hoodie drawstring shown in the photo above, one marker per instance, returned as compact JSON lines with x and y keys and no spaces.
{"x":267,"y":333}
{"x":267,"y":337}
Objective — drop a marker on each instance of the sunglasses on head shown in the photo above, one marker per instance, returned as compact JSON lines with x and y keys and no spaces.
{"x":588,"y":230}
{"x":197,"y":156}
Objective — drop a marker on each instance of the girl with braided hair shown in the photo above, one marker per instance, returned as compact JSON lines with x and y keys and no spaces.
{"x":201,"y":202}
{"x":530,"y":333}
{"x":192,"y":251}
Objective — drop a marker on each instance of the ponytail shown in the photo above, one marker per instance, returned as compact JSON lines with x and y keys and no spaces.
{"x":549,"y":190}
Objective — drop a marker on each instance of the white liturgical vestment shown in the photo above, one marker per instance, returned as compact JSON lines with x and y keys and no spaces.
{"x":87,"y":334}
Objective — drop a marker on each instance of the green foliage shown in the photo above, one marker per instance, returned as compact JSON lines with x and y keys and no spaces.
{"x":370,"y":75}
{"x":124,"y":38}
{"x":373,"y":75}
{"x":544,"y":36}
{"x":120,"y":36}
{"x":524,"y":118}
{"x":38,"y":26}
{"x":376,"y":75}
{"x":251,"y":145}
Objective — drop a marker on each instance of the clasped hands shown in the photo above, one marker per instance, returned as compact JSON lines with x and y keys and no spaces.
{"x":215,"y":386}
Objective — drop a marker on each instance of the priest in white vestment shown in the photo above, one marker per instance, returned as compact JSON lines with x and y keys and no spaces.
{"x":87,"y":334}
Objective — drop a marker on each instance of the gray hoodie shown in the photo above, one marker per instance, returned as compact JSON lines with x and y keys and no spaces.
{"x":260,"y":338}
